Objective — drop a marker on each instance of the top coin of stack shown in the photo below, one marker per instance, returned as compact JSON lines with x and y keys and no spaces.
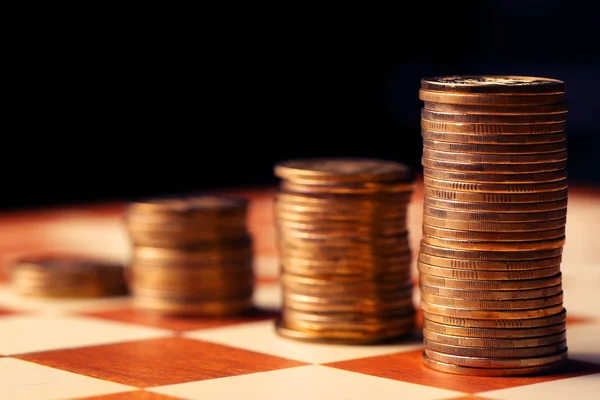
{"x":344,"y":250}
{"x":494,"y":216}
{"x":67,"y":276}
{"x":191,"y":255}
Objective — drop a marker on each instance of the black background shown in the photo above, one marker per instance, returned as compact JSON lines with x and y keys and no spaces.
{"x":145,"y":107}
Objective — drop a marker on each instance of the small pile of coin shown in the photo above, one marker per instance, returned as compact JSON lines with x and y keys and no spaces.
{"x":67,"y":276}
{"x":191,"y":256}
{"x":344,"y":250}
{"x":494,"y":216}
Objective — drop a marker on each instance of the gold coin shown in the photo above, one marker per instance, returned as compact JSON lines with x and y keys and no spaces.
{"x":204,"y":205}
{"x":557,"y":108}
{"x":338,"y":337}
{"x":368,"y":188}
{"x":493,"y":305}
{"x":495,"y":246}
{"x":559,"y":317}
{"x":494,"y":295}
{"x":488,"y":362}
{"x":493,"y":168}
{"x":358,"y":264}
{"x":374,"y":271}
{"x":495,"y":149}
{"x":491,"y":333}
{"x":343,"y":255}
{"x":455,"y":205}
{"x":341,"y":218}
{"x":351,"y":328}
{"x":208,"y":271}
{"x":477,"y":275}
{"x":395,"y":316}
{"x":538,"y":177}
{"x":491,"y":352}
{"x":347,"y":284}
{"x":499,"y":265}
{"x":494,"y":139}
{"x":521,"y":99}
{"x":489,"y":314}
{"x":343,"y":170}
{"x":494,"y":226}
{"x":503,"y":343}
{"x":66,"y":275}
{"x":489,"y":255}
{"x":543,"y":197}
{"x":492,"y":119}
{"x":343,"y":211}
{"x":346,"y":202}
{"x":493,"y":84}
{"x":496,"y":187}
{"x":489,"y":372}
{"x":358,"y":243}
{"x":494,"y":129}
{"x":175,"y":307}
{"x":190,"y":294}
{"x":317,"y":225}
{"x":496,"y":284}
{"x":475,"y":236}
{"x":287,"y":233}
{"x":167,"y":256}
{"x":356,"y":306}
{"x":494,"y":217}
{"x":494,"y":158}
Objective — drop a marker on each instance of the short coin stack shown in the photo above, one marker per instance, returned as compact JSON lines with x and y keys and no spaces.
{"x":495,"y":206}
{"x":344,"y":250}
{"x":67,"y":276}
{"x":191,"y":255}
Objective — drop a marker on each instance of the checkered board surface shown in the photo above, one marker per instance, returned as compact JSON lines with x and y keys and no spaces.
{"x":104,"y":349}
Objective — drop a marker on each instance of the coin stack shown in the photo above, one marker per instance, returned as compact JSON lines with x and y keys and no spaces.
{"x":191,"y":256}
{"x":344,"y":250}
{"x":66,"y":276}
{"x":494,"y":216}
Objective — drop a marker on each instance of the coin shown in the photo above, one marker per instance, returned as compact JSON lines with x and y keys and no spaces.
{"x":493,"y":84}
{"x":502,"y":343}
{"x":524,"y":99}
{"x":486,"y":274}
{"x":475,"y":236}
{"x":494,"y":226}
{"x":550,"y":319}
{"x":458,"y":205}
{"x":495,"y":149}
{"x":490,"y":362}
{"x":491,"y":284}
{"x":489,"y":314}
{"x":496,"y":217}
{"x":492,"y":119}
{"x":511,"y":265}
{"x":494,"y":352}
{"x":311,"y":186}
{"x":490,"y":372}
{"x":466,"y":254}
{"x":495,"y":246}
{"x":66,"y":275}
{"x":494,"y":295}
{"x":557,"y":108}
{"x":493,"y":332}
{"x":494,"y":139}
{"x":343,"y":170}
{"x":494,"y":158}
{"x":552,"y":186}
{"x":493,"y":168}
{"x":180,"y":307}
{"x":508,"y":304}
{"x":494,"y":129}
{"x":542,"y":197}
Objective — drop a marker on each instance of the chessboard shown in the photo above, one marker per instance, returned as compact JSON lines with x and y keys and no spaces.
{"x":104,"y":349}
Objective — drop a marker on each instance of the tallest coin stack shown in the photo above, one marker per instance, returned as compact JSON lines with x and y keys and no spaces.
{"x":494,"y":216}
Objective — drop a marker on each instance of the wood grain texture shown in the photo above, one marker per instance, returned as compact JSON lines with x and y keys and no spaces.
{"x":158,"y":362}
{"x":137,"y":395}
{"x":179,"y":324}
{"x":408,"y":367}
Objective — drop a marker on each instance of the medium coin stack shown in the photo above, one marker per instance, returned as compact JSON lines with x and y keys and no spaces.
{"x":344,"y":250}
{"x":67,"y":276}
{"x":191,"y":256}
{"x":495,"y":206}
